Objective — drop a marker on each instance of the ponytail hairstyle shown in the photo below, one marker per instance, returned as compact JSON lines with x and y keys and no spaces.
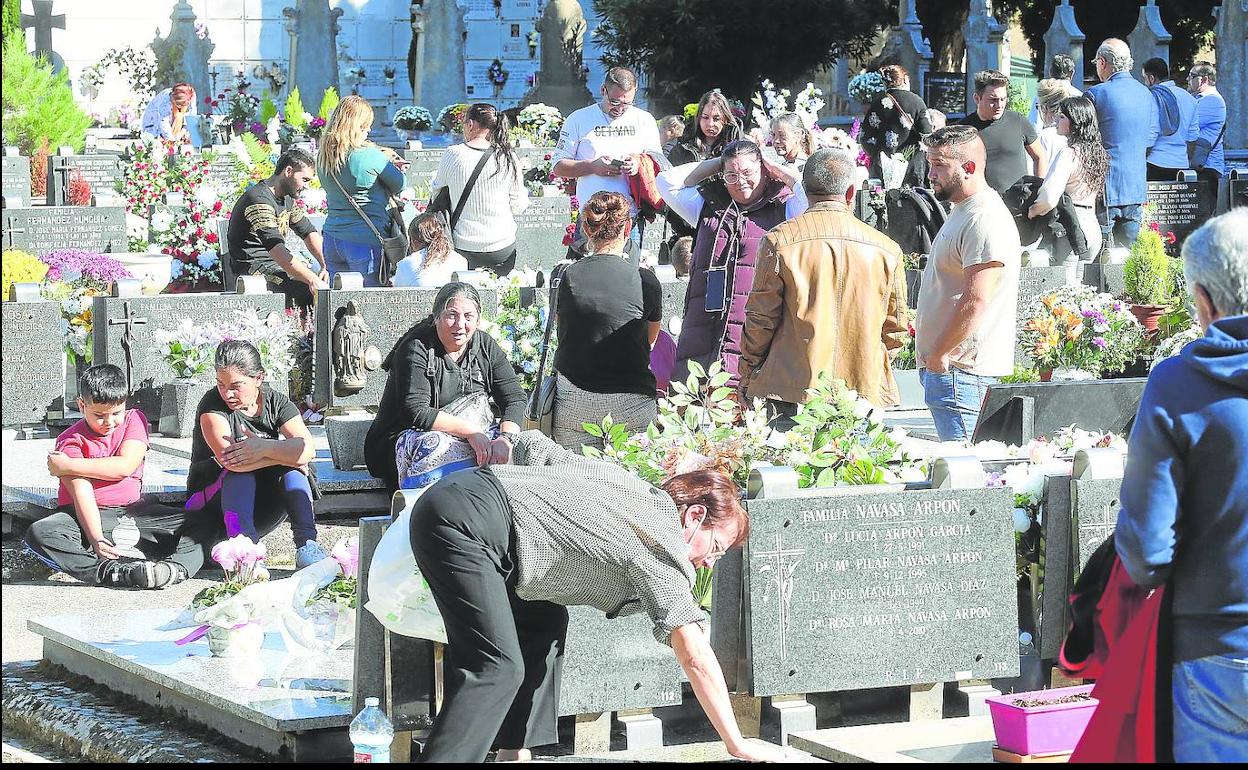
{"x":430,"y":230}
{"x":240,"y":355}
{"x":792,"y":120}
{"x":893,"y":75}
{"x":604,"y":217}
{"x":489,"y":117}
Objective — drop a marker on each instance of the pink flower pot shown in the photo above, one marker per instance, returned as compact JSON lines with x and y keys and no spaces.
{"x":1045,"y":729}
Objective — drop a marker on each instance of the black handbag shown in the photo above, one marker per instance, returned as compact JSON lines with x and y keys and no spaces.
{"x":1199,"y":150}
{"x":394,"y":245}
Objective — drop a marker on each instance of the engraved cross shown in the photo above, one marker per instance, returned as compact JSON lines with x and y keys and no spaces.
{"x":782,"y":562}
{"x":129,"y":320}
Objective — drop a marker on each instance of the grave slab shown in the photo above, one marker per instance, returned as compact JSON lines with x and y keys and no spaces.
{"x":47,"y":228}
{"x":386,"y":314}
{"x":149,"y":372}
{"x":539,"y":232}
{"x":16,"y":180}
{"x":964,"y":739}
{"x":610,"y":665}
{"x":298,"y":708}
{"x":34,"y":361}
{"x":911,"y":586}
{"x":102,"y":174}
{"x":1016,"y":413}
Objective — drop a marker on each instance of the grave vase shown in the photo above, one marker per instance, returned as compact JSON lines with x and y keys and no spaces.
{"x":1148,"y":316}
{"x":179,"y":400}
{"x":1067,"y":374}
{"x":241,"y":641}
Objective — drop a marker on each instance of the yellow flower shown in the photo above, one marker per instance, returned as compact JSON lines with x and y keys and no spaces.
{"x":1074,"y":332}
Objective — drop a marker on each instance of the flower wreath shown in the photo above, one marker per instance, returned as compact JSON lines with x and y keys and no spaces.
{"x":498,"y":75}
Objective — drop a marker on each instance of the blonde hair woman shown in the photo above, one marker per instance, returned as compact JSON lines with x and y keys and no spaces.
{"x":351,"y":168}
{"x":1049,"y":94}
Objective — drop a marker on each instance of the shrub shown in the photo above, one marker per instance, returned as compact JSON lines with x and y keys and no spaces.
{"x":295,"y":111}
{"x":79,"y":192}
{"x":38,"y":104}
{"x":39,"y":171}
{"x":1149,"y":276}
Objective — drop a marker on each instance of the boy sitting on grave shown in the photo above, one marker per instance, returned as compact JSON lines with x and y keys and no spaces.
{"x":104,"y":531}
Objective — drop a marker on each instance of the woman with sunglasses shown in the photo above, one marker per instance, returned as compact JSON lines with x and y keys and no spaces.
{"x":732,"y":200}
{"x":506,"y":549}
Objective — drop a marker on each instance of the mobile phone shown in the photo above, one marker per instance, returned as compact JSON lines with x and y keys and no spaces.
{"x":617,"y":163}
{"x":716,"y":289}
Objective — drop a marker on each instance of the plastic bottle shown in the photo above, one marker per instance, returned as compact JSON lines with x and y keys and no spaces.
{"x":1025,"y":645}
{"x":371,"y":733}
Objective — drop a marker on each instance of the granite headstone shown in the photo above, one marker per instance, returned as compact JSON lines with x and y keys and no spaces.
{"x":1055,"y":521}
{"x":539,"y":232}
{"x":101,"y":173}
{"x":47,"y":228}
{"x":16,"y":181}
{"x":1238,"y":192}
{"x":615,"y":664}
{"x":1181,"y":207}
{"x":423,"y":164}
{"x":946,"y":91}
{"x":149,"y":370}
{"x":1018,"y":412}
{"x":879,"y":588}
{"x":386,"y":314}
{"x":34,"y":361}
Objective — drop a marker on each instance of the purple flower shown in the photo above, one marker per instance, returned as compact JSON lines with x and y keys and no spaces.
{"x":77,"y":264}
{"x":1100,"y":342}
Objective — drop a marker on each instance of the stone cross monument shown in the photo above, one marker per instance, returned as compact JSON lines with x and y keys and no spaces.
{"x":1149,"y":39}
{"x":44,"y":22}
{"x":1064,"y":36}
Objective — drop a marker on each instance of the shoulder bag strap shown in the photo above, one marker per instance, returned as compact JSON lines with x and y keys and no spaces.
{"x":1221,"y":134}
{"x":556,"y":276}
{"x":472,"y":181}
{"x":358,"y":210}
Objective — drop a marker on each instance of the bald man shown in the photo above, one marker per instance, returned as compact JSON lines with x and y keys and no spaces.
{"x":968,"y":300}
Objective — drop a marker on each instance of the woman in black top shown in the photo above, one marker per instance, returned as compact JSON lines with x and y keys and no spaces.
{"x":445,"y":379}
{"x":609,"y":315}
{"x":250,"y":457}
{"x":895,"y":124}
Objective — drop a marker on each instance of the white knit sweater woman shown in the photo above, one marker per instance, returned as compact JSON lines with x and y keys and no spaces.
{"x":485,"y":233}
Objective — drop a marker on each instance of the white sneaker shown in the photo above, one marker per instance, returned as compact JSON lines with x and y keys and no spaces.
{"x":308,"y":554}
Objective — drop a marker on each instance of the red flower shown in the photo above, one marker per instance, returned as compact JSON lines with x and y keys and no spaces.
{"x":211,"y":238}
{"x":197,"y":217}
{"x":216,"y":206}
{"x":1171,"y":238}
{"x":1155,"y":227}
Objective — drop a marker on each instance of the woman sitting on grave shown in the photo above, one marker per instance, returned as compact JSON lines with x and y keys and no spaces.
{"x":734,"y":200}
{"x":505,"y":550}
{"x":1079,"y":170}
{"x":609,"y":314}
{"x":485,"y":230}
{"x":358,"y":178}
{"x":251,"y":456}
{"x":446,"y":383}
{"x":166,"y":115}
{"x":432,"y":262}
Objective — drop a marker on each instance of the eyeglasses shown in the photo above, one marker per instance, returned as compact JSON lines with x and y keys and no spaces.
{"x":616,"y":102}
{"x":733,"y":177}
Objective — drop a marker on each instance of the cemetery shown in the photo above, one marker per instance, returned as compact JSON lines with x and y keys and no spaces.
{"x":894,"y":592}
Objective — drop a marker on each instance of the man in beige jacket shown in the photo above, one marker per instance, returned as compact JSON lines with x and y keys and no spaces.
{"x":829,"y":296}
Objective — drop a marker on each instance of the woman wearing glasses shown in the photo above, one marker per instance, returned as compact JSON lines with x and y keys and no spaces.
{"x":732,"y":200}
{"x":437,"y":410}
{"x":505,"y":550}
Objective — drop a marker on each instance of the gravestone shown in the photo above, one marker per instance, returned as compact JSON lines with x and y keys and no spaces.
{"x":906,"y":586}
{"x":43,"y":21}
{"x":1181,"y":207}
{"x":150,"y":373}
{"x":1232,"y":44}
{"x":423,"y":165}
{"x":1149,"y":39}
{"x":1032,"y":283}
{"x":986,"y":48}
{"x":101,"y":172}
{"x":224,"y":171}
{"x":1238,"y":189}
{"x":386,"y":314}
{"x":313,"y":28}
{"x":34,"y":361}
{"x":539,"y":232}
{"x":47,"y":228}
{"x":1065,"y":37}
{"x":1016,"y":413}
{"x":16,"y":178}
{"x":915,"y":53}
{"x":609,"y":665}
{"x":560,"y":80}
{"x":946,"y":91}
{"x":186,"y":49}
{"x":674,"y":299}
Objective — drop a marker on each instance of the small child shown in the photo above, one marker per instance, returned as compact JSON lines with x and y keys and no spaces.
{"x":432,"y":262}
{"x":682,"y":256}
{"x":101,"y":516}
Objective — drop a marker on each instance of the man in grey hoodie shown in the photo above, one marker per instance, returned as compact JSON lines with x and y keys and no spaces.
{"x":1184,"y":515}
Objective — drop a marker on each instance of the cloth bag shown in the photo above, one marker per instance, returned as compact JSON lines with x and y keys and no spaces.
{"x":398,"y":595}
{"x":1198,"y":151}
{"x":423,"y":457}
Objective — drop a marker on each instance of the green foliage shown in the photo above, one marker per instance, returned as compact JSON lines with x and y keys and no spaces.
{"x":690,"y":46}
{"x":256,"y":150}
{"x":1150,"y":277}
{"x":38,"y":105}
{"x":342,"y":591}
{"x":294,"y":111}
{"x":10,"y":20}
{"x":268,"y":110}
{"x":328,"y":102}
{"x":1022,"y":374}
{"x":1017,"y":95}
{"x":216,"y":593}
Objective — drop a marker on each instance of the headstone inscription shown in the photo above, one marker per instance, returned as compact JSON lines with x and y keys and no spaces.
{"x":16,"y":181}
{"x":224,"y":170}
{"x":34,"y":361}
{"x":1181,"y":207}
{"x":44,"y":229}
{"x":909,"y":587}
{"x":101,"y":173}
{"x":946,"y":91}
{"x":149,"y":371}
{"x":355,"y":330}
{"x":1032,"y":283}
{"x":423,"y":164}
{"x":540,"y":229}
{"x":1018,"y":412}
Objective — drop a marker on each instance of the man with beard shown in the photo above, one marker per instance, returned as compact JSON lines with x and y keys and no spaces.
{"x":258,"y":227}
{"x":965,"y":325}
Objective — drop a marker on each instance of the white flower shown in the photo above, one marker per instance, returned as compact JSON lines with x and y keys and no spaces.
{"x":1022,"y":520}
{"x":206,"y":194}
{"x":1025,"y":479}
{"x":313,"y":198}
{"x":912,"y":473}
{"x":161,"y":220}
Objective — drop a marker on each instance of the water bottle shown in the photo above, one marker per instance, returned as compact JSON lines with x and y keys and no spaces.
{"x":371,"y":733}
{"x":1025,"y":645}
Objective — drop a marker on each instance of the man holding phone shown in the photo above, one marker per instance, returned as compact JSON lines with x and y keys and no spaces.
{"x":601,"y":145}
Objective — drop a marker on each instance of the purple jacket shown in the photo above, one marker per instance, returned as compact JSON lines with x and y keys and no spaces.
{"x":728,"y":237}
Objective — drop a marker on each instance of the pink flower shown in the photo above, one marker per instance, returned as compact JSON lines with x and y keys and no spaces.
{"x":347,"y":554}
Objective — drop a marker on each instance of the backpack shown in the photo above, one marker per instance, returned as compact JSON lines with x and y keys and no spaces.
{"x":1168,"y":114}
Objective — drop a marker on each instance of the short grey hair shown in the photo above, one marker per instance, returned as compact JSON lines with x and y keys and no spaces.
{"x":1116,"y":54}
{"x":1216,"y":257}
{"x":829,"y":173}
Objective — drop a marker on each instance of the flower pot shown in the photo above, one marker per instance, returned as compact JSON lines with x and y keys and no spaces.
{"x":1148,"y":316}
{"x":242,"y":641}
{"x":152,"y":270}
{"x":179,"y":401}
{"x":1048,"y":727}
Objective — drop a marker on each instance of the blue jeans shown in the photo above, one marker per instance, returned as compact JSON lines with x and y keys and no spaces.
{"x":351,"y":257}
{"x":954,"y":399}
{"x":1122,"y":224}
{"x":1211,"y":709}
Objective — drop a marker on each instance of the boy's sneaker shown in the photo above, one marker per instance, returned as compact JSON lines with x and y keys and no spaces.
{"x":114,"y":573}
{"x":308,"y":554}
{"x":141,"y":573}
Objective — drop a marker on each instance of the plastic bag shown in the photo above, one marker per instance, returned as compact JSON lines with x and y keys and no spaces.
{"x":399,"y":597}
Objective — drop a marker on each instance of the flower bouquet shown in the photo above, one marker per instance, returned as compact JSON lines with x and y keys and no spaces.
{"x":1074,"y":327}
{"x":540,"y":122}
{"x":326,"y":619}
{"x":413,"y":118}
{"x":189,"y":236}
{"x":866,"y":87}
{"x":517,"y":329}
{"x":189,"y":348}
{"x":451,"y":118}
{"x":73,"y":277}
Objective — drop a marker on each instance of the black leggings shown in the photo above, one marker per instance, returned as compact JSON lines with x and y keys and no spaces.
{"x":503,"y":655}
{"x":501,"y":261}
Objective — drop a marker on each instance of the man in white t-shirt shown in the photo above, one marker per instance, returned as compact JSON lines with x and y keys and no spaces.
{"x":966,"y":324}
{"x":600,"y":146}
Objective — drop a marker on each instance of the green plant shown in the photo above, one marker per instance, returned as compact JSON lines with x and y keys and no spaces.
{"x":10,"y":19}
{"x":1022,"y":374}
{"x":268,"y":110}
{"x":1018,"y":100}
{"x":341,"y":591}
{"x":329,"y":101}
{"x":413,"y":118}
{"x":295,"y":112}
{"x":38,"y":104}
{"x":1149,"y":276}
